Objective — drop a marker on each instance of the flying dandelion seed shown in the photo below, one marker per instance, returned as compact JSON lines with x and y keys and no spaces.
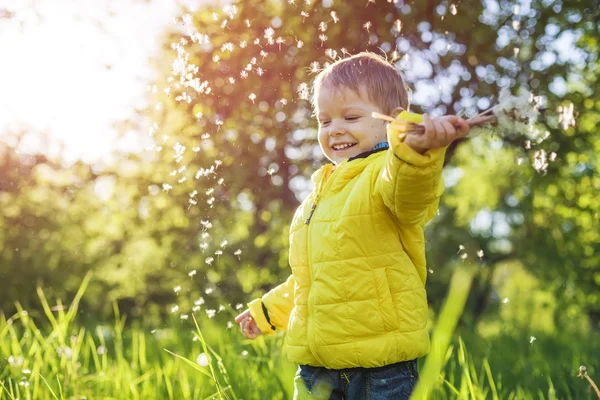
{"x":195,"y":308}
{"x":260,"y":71}
{"x":252,"y":97}
{"x":532,"y":339}
{"x":460,"y":248}
{"x":315,"y":67}
{"x":323,"y":38}
{"x":480,"y":254}
{"x":505,"y":301}
{"x":192,"y":273}
{"x":303,"y":91}
{"x":243,"y":44}
{"x":304,"y":15}
{"x":202,"y":360}
{"x":464,"y":256}
{"x":323,"y":26}
{"x":247,"y":23}
{"x":220,"y":182}
{"x":209,"y":290}
{"x":334,"y":17}
{"x":300,"y":44}
{"x":243,"y":74}
{"x":453,"y":9}
{"x":430,"y":271}
{"x":224,"y":243}
{"x":184,"y":316}
{"x":221,"y":308}
{"x":210,"y":313}
{"x":516,"y":9}
{"x":200,"y":301}
{"x":398,"y":26}
{"x":516,"y":25}
{"x":182,"y":180}
{"x":331,"y":53}
{"x":167,"y":187}
{"x":280,"y":41}
{"x":177,"y":289}
{"x":244,"y":353}
{"x":174,"y":309}
{"x":228,"y":46}
{"x":239,"y":306}
{"x":367,"y":25}
{"x":224,"y":23}
{"x":229,"y":325}
{"x":552,"y":156}
{"x":218,"y":252}
{"x":283,"y":102}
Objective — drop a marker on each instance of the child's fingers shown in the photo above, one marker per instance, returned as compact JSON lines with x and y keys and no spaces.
{"x":242,"y":316}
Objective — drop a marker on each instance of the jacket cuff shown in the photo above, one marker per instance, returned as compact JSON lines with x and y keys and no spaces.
{"x":412,"y":157}
{"x":260,"y":314}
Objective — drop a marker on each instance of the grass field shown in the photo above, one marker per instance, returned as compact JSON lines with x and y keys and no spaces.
{"x":53,"y":356}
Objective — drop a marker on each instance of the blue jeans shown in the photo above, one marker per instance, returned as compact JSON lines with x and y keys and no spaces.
{"x":394,"y":381}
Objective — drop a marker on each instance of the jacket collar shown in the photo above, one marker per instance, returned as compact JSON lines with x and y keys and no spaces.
{"x":378,"y":147}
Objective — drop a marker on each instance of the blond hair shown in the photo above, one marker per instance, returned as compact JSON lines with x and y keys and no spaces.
{"x":381,"y":80}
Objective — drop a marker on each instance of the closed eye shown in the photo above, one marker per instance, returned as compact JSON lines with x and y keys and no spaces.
{"x":324,"y":123}
{"x":352,"y":118}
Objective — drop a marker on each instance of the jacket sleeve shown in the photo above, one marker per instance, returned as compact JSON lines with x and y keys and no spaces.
{"x":411,"y":183}
{"x":273,"y":310}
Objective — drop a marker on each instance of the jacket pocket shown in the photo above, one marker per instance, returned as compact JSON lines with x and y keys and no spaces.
{"x":386,"y":304}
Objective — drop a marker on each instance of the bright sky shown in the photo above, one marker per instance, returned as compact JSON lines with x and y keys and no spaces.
{"x":73,"y":67}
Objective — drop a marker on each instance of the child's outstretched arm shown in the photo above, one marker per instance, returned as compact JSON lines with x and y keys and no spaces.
{"x":411,"y":179}
{"x":272,"y":311}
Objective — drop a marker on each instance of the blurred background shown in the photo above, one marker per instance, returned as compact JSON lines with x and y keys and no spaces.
{"x":163,"y":146}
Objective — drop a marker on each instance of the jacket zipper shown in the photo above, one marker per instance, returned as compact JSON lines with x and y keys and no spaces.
{"x":320,"y":190}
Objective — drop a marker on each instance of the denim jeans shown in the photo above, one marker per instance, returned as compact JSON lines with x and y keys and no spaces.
{"x":394,"y":381}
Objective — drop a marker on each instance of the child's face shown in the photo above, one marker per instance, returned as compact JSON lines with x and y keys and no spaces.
{"x":346,"y":128}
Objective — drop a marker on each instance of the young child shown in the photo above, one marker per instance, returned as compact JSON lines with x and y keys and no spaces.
{"x":354,"y":307}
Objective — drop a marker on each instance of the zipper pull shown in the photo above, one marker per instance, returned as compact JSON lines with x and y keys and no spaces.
{"x":312,"y":211}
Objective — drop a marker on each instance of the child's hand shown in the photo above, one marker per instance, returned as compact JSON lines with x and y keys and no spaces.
{"x":439,"y":132}
{"x":248,"y":325}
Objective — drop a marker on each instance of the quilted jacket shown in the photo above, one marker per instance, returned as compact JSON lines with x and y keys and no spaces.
{"x":356,"y":295}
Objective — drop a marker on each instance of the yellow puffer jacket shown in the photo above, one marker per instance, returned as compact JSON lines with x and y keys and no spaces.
{"x":356,"y":295}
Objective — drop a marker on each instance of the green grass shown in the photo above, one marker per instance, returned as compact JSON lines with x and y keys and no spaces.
{"x":53,"y":356}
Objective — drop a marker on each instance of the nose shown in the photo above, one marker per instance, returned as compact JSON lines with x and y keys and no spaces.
{"x":336,"y":128}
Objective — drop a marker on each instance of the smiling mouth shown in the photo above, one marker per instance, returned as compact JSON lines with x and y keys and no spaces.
{"x":340,"y":147}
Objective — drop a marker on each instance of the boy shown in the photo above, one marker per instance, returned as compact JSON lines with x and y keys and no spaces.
{"x":354,"y":306}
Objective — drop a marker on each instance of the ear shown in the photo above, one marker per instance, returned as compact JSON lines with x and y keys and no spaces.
{"x":397,"y":112}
